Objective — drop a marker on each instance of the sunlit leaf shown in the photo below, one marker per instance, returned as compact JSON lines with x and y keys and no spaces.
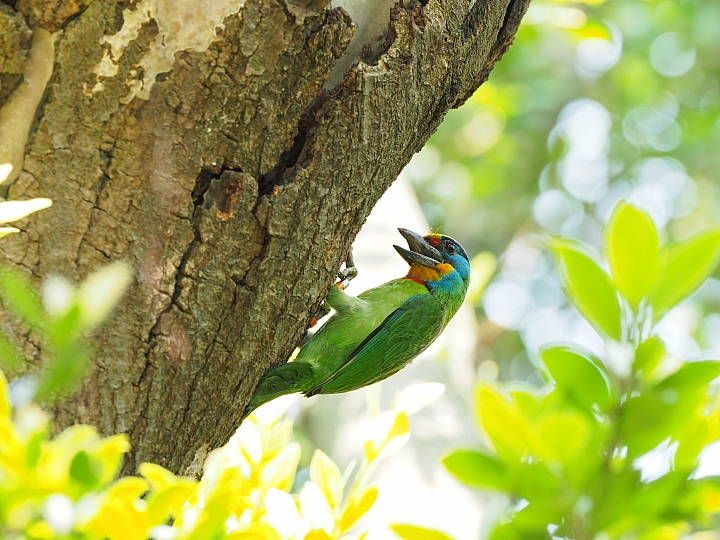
{"x":358,"y":507}
{"x":248,"y":439}
{"x":651,"y":417}
{"x":413,"y":532}
{"x":159,"y":477}
{"x":688,"y":265}
{"x":277,"y":437}
{"x":15,"y":210}
{"x":503,"y":423}
{"x":19,"y":296}
{"x":279,"y":472}
{"x":282,"y":512}
{"x":633,"y":252}
{"x":649,"y":354}
{"x":417,"y":396}
{"x":565,"y":435}
{"x":326,"y":475}
{"x":578,"y":377}
{"x":4,"y":397}
{"x":5,"y":170}
{"x":4,"y":231}
{"x":478,"y":470}
{"x":58,"y":295}
{"x":317,"y":535}
{"x":169,"y":501}
{"x":388,"y":432}
{"x":101,"y":292}
{"x":588,"y":287}
{"x":315,"y":508}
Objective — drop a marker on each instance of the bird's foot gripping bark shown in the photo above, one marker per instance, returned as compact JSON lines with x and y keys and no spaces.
{"x":345,"y":277}
{"x":350,"y":272}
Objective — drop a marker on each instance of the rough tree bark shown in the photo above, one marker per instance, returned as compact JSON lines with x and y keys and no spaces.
{"x":235,"y":190}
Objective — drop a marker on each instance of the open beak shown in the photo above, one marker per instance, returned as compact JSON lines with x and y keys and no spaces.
{"x":420,"y":251}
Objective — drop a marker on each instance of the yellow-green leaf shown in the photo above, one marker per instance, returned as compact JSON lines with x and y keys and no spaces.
{"x":688,"y":265}
{"x":4,"y":397}
{"x":326,"y":475}
{"x":565,"y":435}
{"x":279,"y":472}
{"x":633,"y":251}
{"x":649,"y":354}
{"x":358,"y":508}
{"x":317,"y":535}
{"x":159,"y":477}
{"x":413,"y":532}
{"x":503,"y":422}
{"x":388,"y":433}
{"x":169,"y":501}
{"x":478,"y":470}
{"x":588,"y":287}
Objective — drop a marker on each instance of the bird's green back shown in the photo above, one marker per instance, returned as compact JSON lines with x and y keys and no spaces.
{"x":336,"y":340}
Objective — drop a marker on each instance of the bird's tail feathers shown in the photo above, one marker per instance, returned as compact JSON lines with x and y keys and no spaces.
{"x":279,"y":381}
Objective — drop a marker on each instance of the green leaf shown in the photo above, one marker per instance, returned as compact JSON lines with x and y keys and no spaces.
{"x":649,"y":354}
{"x":577,"y":377}
{"x":691,"y":377}
{"x":688,"y":265}
{"x":588,"y":287}
{"x":668,"y":409}
{"x":66,"y":367}
{"x":413,"y":532}
{"x":633,"y":251}
{"x":20,"y":297}
{"x":83,"y":470}
{"x":478,"y":470}
{"x":512,"y":531}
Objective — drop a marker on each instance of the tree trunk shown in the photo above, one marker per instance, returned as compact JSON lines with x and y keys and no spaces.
{"x":234,"y":184}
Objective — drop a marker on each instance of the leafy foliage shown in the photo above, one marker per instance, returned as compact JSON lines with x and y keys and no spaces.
{"x":55,"y":487}
{"x":15,"y":210}
{"x":574,"y":454}
{"x":60,"y":318}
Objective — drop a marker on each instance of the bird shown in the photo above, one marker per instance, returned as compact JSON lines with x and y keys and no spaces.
{"x":377,"y":333}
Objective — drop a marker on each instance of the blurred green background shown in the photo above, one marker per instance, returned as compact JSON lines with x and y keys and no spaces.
{"x":595,"y":102}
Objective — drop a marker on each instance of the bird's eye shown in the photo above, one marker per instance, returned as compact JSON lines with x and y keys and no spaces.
{"x":450,"y":248}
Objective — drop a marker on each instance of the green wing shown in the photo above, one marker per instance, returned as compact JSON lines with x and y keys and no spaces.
{"x":404,"y":334}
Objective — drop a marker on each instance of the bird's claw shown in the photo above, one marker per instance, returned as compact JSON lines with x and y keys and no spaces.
{"x":345,"y":276}
{"x":349,"y":273}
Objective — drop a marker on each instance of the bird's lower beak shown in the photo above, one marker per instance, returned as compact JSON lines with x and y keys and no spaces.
{"x":422,"y":252}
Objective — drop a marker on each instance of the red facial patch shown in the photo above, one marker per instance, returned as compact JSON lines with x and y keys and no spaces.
{"x":433,"y":239}
{"x":416,"y":280}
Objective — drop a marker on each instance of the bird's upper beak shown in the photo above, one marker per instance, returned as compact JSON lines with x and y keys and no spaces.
{"x":422,"y":252}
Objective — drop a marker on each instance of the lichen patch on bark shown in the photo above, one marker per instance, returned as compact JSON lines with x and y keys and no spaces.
{"x":183,"y":25}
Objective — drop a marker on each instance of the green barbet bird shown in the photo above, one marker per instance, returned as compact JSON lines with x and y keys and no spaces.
{"x":379,"y":332}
